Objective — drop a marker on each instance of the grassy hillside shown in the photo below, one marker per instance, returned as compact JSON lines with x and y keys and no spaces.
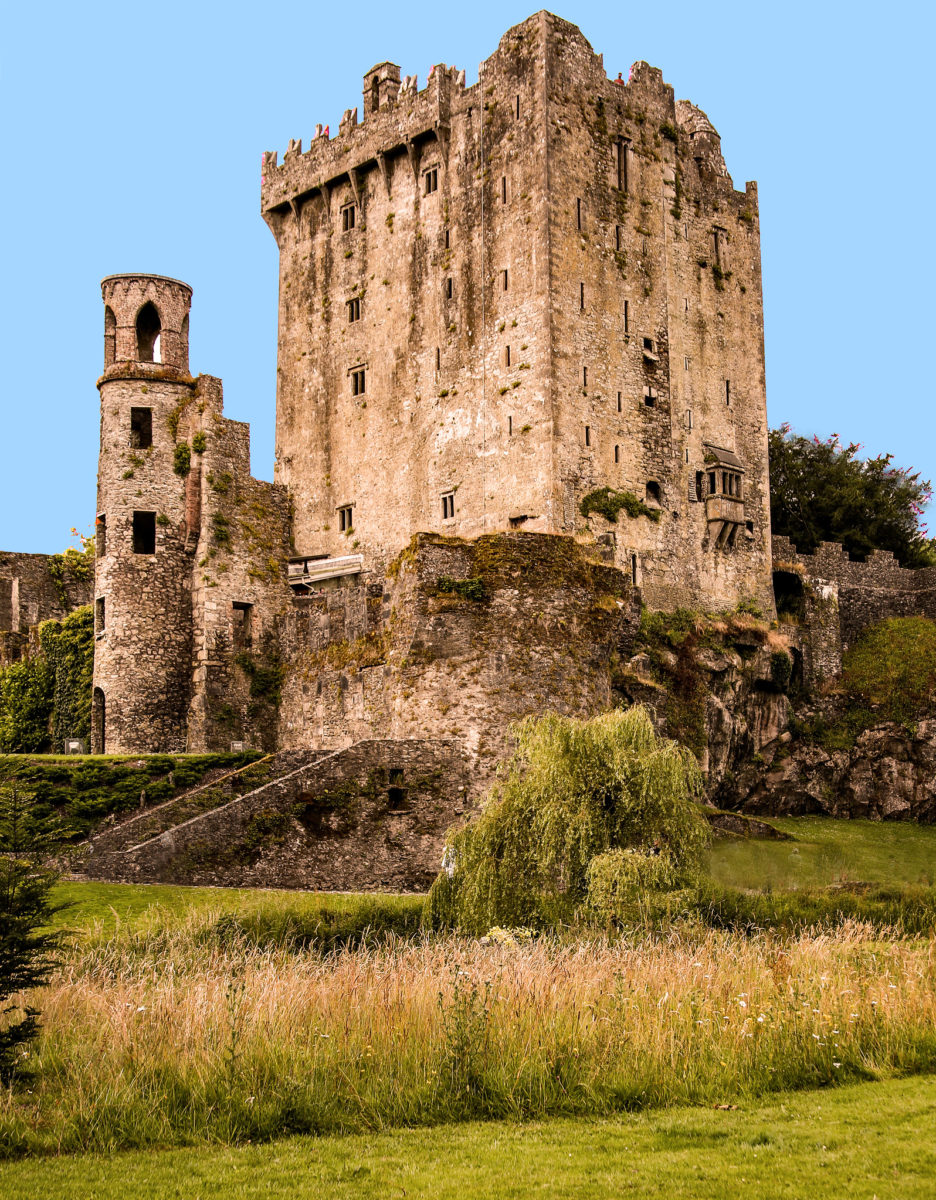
{"x":825,"y":851}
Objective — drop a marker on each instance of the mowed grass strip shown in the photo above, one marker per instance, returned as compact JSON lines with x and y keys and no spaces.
{"x":870,"y":1140}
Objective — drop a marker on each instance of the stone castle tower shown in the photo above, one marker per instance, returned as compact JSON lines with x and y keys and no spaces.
{"x":520,"y":354}
{"x":497,"y":301}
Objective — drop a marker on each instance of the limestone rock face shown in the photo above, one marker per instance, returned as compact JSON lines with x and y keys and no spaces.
{"x":889,"y":775}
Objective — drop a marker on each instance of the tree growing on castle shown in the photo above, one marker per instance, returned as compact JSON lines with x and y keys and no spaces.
{"x":822,"y":491}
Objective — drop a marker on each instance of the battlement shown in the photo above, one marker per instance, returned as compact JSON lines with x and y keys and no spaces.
{"x":830,"y":563}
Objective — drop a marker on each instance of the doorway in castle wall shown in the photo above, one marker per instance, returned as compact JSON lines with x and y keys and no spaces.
{"x":98,"y":722}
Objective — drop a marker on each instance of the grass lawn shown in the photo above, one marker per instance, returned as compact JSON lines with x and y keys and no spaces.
{"x":864,"y":1141}
{"x":104,"y":906}
{"x":828,"y":851}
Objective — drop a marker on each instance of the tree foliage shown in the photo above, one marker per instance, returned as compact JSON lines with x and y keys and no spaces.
{"x":26,"y":945}
{"x":68,"y":647}
{"x":892,"y":667}
{"x":821,"y":491}
{"x":573,"y":790}
{"x":26,"y":701}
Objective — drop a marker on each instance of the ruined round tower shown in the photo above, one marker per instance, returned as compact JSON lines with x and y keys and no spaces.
{"x":146,"y":535}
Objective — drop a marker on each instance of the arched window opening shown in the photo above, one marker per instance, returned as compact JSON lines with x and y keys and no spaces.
{"x":148,"y":328}
{"x":185,"y":329}
{"x":653,"y":494}
{"x":110,"y":336}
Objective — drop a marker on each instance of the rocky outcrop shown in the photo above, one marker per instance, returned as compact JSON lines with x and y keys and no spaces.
{"x":888,"y":775}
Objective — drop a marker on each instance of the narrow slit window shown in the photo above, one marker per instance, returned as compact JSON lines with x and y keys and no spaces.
{"x":510,"y":426}
{"x":581,"y":295}
{"x":578,"y":214}
{"x":346,"y":518}
{"x":621,"y":151}
{"x":686,"y":363}
{"x":100,"y":536}
{"x":431,"y":180}
{"x":700,"y":485}
{"x":587,"y":435}
{"x":242,"y":626}
{"x":634,"y":569}
{"x":506,"y":356}
{"x":518,"y":108}
{"x":627,"y":316}
{"x":354,"y":310}
{"x":449,"y":289}
{"x":348,"y":217}
{"x":503,"y":189}
{"x":617,"y":237}
{"x":712,"y":483}
{"x":617,"y":454}
{"x":358,"y":381}
{"x":438,"y":360}
{"x":689,"y":418}
{"x":144,"y":533}
{"x":448,"y":506}
{"x":504,"y":279}
{"x":448,"y":240}
{"x":619,"y":402}
{"x":685,"y":304}
{"x":584,"y":376}
{"x":99,"y":616}
{"x":728,"y":391}
{"x":141,"y":428}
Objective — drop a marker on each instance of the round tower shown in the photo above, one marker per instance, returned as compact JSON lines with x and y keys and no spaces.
{"x":143,"y":569}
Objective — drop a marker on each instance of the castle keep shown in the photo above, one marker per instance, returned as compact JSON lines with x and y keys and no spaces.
{"x":524,"y":310}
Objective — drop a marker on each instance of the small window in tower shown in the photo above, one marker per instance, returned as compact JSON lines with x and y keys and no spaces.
{"x":148,"y":327}
{"x":685,"y":304}
{"x":689,"y":418}
{"x":728,"y":391}
{"x":346,"y":518}
{"x":448,"y":506}
{"x":510,"y":426}
{"x":110,"y":336}
{"x":617,"y":454}
{"x":141,"y":428}
{"x":449,"y":289}
{"x":504,"y":279}
{"x":99,"y":616}
{"x":242,"y":625}
{"x":700,"y":485}
{"x":712,"y":483}
{"x":354,"y":310}
{"x":634,"y":569}
{"x":627,"y":316}
{"x":396,"y":793}
{"x":618,"y":237}
{"x":587,"y":435}
{"x":503,"y":189}
{"x":438,"y":360}
{"x":619,"y":402}
{"x":144,"y":533}
{"x":653,"y":494}
{"x":448,"y":240}
{"x":650,"y":397}
{"x":621,"y":151}
{"x":578,"y":214}
{"x":686,"y":363}
{"x":358,"y":381}
{"x":648,"y":344}
{"x":581,"y":295}
{"x":100,"y":536}
{"x":431,"y":180}
{"x":506,"y":356}
{"x":518,"y":108}
{"x":348,"y":217}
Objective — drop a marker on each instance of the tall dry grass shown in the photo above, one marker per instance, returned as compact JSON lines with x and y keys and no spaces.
{"x":189,"y":1038}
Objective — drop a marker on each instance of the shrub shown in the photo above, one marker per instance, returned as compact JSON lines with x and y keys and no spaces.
{"x":182,"y":458}
{"x":893,"y":666}
{"x":609,"y":503}
{"x":574,"y":789}
{"x":467,"y":589}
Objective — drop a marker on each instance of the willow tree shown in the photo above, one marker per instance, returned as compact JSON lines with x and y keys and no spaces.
{"x":574,"y":792}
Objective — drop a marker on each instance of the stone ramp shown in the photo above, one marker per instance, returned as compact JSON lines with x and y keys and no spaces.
{"x":372,"y":815}
{"x":210,"y":794}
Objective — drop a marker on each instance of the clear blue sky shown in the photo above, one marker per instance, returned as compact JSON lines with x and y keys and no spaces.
{"x":132,"y":138}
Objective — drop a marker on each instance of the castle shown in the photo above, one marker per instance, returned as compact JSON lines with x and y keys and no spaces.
{"x":528,"y":306}
{"x":520,"y":391}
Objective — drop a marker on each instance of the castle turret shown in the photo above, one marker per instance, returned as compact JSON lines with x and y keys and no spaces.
{"x":146,"y":525}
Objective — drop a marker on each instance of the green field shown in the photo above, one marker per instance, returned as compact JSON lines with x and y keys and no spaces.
{"x":867,"y":1141}
{"x":825,"y":851}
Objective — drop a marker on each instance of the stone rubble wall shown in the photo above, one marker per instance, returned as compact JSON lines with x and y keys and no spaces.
{"x":29,"y":595}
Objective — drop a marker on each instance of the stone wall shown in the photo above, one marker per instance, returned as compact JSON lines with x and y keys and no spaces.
{"x":30,"y":593}
{"x":841,"y":597}
{"x":370,"y":817}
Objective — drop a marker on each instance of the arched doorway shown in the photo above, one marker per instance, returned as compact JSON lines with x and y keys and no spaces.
{"x":148,"y":329}
{"x":98,"y":723}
